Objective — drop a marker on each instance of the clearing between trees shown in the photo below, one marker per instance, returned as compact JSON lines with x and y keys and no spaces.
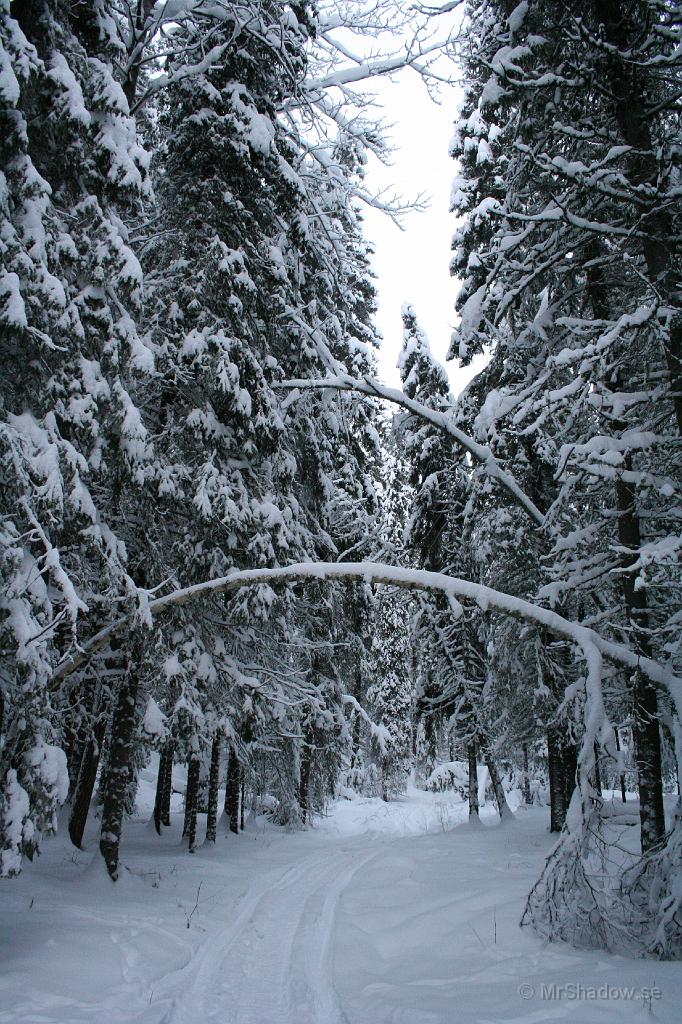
{"x":383,"y":912}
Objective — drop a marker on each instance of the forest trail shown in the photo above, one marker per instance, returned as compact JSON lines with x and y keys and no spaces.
{"x":380,"y":914}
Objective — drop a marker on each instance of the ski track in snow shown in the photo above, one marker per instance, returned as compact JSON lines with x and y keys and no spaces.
{"x":362,"y":920}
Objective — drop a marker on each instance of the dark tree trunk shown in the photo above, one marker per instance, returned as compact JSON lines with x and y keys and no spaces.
{"x":557,"y":789}
{"x":232,"y":791}
{"x":526,"y":776}
{"x":645,"y":725}
{"x":304,"y":780}
{"x":167,"y":790}
{"x":503,"y":807}
{"x":623,"y":792}
{"x":123,"y":726}
{"x":165,"y":768}
{"x":629,"y":94}
{"x":597,"y":771}
{"x":189,"y":828}
{"x":473,"y":781}
{"x":242,"y":797}
{"x":569,"y":753}
{"x":213,"y":783}
{"x":144,"y":8}
{"x":85,"y":785}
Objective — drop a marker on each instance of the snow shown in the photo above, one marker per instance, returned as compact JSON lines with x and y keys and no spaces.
{"x":380,"y":914}
{"x":154,"y":722}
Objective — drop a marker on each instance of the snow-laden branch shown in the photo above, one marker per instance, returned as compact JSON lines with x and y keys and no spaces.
{"x":591,"y":643}
{"x":480,"y":453}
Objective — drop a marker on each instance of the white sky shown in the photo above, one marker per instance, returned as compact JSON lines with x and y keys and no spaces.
{"x":412,"y":265}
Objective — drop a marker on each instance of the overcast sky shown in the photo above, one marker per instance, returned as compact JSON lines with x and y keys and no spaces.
{"x":412,"y":265}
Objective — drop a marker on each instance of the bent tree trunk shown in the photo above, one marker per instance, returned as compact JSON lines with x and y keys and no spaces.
{"x":161,"y":815}
{"x":123,"y":727}
{"x":85,"y":785}
{"x":213,"y":783}
{"x":191,"y":801}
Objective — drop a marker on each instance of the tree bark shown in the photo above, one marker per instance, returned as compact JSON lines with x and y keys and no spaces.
{"x":645,"y":725}
{"x":658,"y":244}
{"x":623,"y":792}
{"x":213,"y":783}
{"x":526,"y":776}
{"x":123,"y":726}
{"x":232,"y":791}
{"x":304,"y":780}
{"x":165,"y":768}
{"x":191,"y":800}
{"x":503,"y":807}
{"x":557,"y":789}
{"x":473,"y":782}
{"x":85,"y":785}
{"x":597,"y":771}
{"x":242,"y":797}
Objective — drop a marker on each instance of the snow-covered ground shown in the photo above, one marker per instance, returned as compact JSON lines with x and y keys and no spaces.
{"x":380,"y":914}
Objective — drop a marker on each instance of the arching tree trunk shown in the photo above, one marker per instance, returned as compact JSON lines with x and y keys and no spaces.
{"x":191,"y":800}
{"x":213,"y":783}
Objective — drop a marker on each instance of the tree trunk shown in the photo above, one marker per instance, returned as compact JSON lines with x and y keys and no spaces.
{"x":645,"y":726}
{"x":659,"y":240}
{"x":189,"y":828}
{"x":242,"y":797}
{"x":213,"y":783}
{"x":569,"y":757}
{"x":597,"y":771}
{"x":232,"y":791}
{"x":167,"y":790}
{"x":85,"y":785}
{"x":526,"y":776}
{"x":557,"y":789}
{"x":123,"y":727}
{"x":304,"y":781}
{"x":623,"y":792}
{"x":165,"y":765}
{"x":503,"y":807}
{"x":473,"y":782}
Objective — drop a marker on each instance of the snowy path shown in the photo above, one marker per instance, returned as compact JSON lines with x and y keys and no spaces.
{"x":359,"y":921}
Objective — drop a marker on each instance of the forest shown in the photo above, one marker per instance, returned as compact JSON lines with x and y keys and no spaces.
{"x":229,"y":549}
